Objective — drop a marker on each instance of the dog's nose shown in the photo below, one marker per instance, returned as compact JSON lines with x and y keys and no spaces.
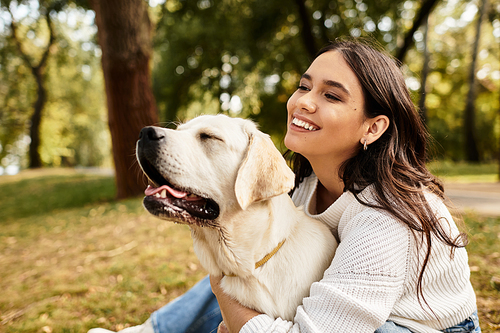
{"x":151,"y":133}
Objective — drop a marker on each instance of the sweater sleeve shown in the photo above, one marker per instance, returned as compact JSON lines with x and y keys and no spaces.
{"x":362,"y":284}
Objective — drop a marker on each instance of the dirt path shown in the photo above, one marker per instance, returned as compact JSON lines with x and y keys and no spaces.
{"x":482,"y":198}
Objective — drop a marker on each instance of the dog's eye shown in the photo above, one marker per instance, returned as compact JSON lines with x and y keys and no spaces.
{"x":205,"y":136}
{"x":208,"y":136}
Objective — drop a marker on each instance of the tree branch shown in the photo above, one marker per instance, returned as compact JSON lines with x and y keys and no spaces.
{"x":24,"y":56}
{"x":425,"y":10}
{"x":51,"y":40}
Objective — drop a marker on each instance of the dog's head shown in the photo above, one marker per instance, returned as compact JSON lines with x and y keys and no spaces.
{"x":208,"y":167}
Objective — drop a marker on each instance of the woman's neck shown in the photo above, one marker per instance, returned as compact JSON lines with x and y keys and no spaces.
{"x":330,"y":187}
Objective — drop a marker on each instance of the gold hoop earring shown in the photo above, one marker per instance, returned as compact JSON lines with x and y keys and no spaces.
{"x":365,"y":147}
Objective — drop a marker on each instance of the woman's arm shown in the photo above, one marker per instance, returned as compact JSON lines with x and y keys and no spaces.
{"x":234,"y":314}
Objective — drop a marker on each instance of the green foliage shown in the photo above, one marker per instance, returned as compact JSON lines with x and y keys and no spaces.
{"x":240,"y":58}
{"x":17,"y":91}
{"x":73,"y":130}
{"x":209,"y":52}
{"x":451,"y":35}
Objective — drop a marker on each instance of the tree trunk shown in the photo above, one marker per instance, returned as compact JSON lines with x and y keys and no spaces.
{"x":37,"y":70}
{"x":425,"y":72}
{"x":36,"y":119}
{"x":124,"y":34}
{"x":471,"y":151}
{"x":306,"y":32}
{"x":498,"y":153}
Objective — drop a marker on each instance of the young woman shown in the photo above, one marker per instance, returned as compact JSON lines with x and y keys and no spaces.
{"x":359,"y":158}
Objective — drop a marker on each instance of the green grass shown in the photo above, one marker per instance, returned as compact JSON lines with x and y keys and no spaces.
{"x":465,"y":172}
{"x":484,"y":261}
{"x":72,"y":258}
{"x":38,"y":194}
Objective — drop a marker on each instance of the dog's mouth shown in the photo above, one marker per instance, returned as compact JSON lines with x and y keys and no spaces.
{"x":166,"y":200}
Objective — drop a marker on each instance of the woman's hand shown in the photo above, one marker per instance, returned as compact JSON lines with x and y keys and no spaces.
{"x":234,"y":314}
{"x":222,"y":328}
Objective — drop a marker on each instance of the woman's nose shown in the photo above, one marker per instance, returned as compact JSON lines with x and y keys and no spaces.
{"x":306,"y":103}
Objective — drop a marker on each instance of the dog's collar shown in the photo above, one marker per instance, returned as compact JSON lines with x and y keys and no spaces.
{"x":263,"y":260}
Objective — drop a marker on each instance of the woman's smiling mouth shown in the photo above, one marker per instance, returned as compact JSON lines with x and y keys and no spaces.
{"x":303,"y":124}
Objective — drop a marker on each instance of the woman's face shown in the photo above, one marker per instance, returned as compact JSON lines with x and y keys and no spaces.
{"x":325,"y":114}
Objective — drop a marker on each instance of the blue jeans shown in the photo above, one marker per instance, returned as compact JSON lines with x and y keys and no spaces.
{"x":197,"y":311}
{"x":469,"y":325}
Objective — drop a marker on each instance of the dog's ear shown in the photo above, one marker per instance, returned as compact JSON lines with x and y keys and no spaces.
{"x":263,"y":173}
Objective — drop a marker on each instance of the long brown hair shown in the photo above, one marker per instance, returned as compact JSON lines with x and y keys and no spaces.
{"x":395,"y":163}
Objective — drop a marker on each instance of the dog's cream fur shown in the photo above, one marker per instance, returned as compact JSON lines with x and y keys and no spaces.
{"x":230,"y":161}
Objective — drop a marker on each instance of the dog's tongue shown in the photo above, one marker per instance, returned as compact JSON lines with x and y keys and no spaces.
{"x":174,"y":192}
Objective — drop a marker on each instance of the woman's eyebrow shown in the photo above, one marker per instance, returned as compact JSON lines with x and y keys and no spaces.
{"x":330,"y":83}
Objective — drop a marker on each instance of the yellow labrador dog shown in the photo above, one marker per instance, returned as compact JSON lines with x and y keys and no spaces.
{"x":226,"y":180}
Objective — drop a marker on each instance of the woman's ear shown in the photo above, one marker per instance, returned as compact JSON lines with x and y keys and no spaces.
{"x":375,"y":128}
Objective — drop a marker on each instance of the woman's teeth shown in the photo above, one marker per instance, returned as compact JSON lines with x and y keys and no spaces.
{"x":303,"y":124}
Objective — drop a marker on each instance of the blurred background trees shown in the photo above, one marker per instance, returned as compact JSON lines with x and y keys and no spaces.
{"x":73,"y":129}
{"x":244,"y":58}
{"x":37,"y":69}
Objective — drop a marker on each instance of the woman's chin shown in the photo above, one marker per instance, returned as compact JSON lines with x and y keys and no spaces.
{"x":293,"y":143}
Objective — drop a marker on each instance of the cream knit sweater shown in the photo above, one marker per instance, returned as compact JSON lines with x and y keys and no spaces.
{"x":373,"y":276}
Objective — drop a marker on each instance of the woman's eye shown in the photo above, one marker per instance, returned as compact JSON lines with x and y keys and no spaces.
{"x":304,"y":88}
{"x":332,"y":97}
